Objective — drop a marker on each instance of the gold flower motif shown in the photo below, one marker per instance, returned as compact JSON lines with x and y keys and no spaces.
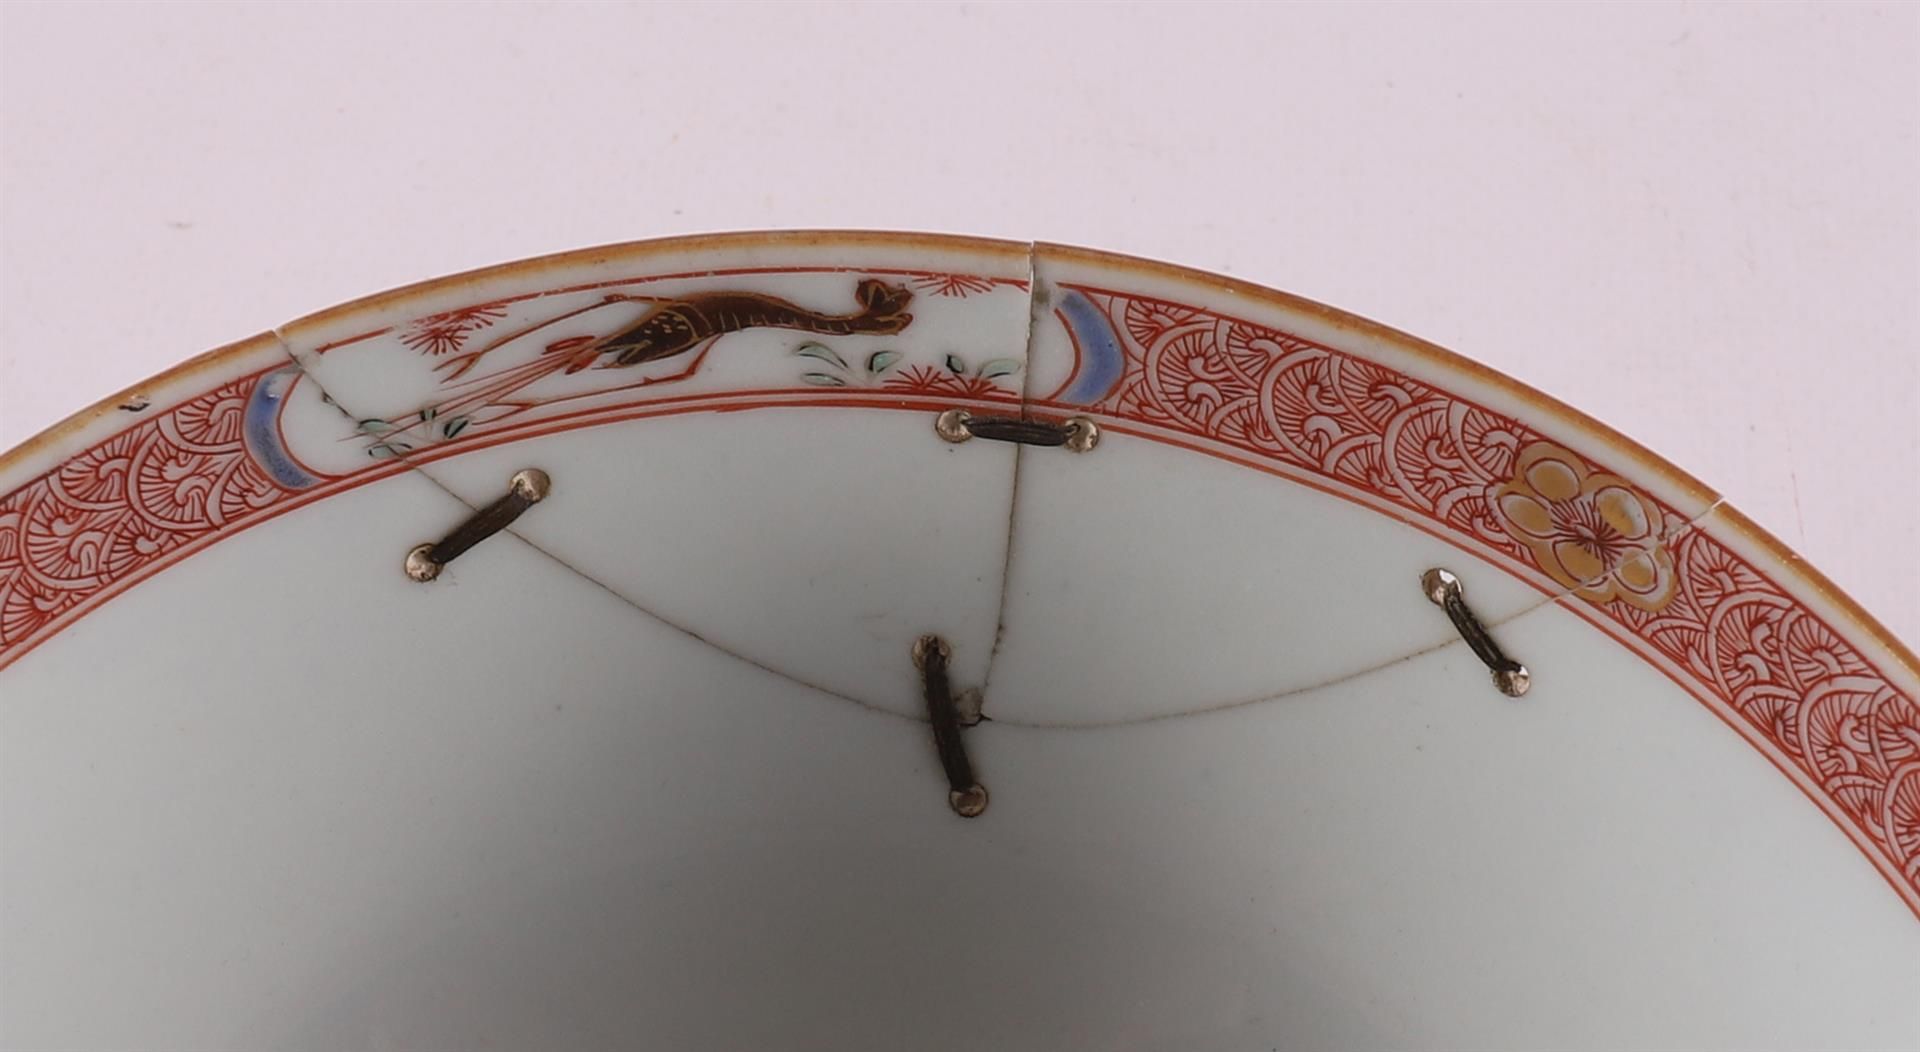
{"x":1590,"y":531}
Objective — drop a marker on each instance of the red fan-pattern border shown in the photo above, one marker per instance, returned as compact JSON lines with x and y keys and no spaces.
{"x":1724,"y":628}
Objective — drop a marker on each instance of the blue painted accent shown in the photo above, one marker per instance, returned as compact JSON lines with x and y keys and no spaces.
{"x":260,"y":428}
{"x":1101,"y":360}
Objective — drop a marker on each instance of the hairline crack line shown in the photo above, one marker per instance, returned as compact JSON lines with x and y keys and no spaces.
{"x":1034,"y":304}
{"x":415,"y":467}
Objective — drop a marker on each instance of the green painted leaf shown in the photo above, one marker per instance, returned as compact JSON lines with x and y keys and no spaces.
{"x":955,"y":365}
{"x":824,"y":380}
{"x":455,"y":426}
{"x":821,"y":352}
{"x":375,"y":427}
{"x":880,"y":361}
{"x":428,"y":413}
{"x":1000,"y":367}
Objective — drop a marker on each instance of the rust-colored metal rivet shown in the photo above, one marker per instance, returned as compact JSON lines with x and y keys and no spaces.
{"x":420,"y":564}
{"x":927,"y":645}
{"x":1513,"y":682}
{"x":952,"y":425}
{"x":1082,"y":434}
{"x":531,"y":484}
{"x":965,"y":794}
{"x":526,"y":487}
{"x":970,"y":802}
{"x":1443,"y":589}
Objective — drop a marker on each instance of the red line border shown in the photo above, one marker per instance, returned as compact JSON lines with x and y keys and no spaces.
{"x":1883,"y":859}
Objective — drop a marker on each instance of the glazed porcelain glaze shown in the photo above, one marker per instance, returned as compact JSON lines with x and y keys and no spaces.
{"x":653,"y":765}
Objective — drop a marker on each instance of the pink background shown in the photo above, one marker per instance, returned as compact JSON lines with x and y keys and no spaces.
{"x":1699,"y":224}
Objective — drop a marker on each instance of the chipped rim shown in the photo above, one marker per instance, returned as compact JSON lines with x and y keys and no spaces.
{"x":1721,"y":520}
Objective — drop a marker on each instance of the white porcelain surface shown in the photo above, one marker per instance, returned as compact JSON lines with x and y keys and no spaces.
{"x":1133,"y":558}
{"x":1410,"y":859}
{"x":561,"y":823}
{"x":815,"y":543}
{"x":652,"y":766}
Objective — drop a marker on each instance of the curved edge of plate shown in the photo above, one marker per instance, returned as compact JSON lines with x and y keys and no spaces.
{"x":1785,"y":581}
{"x":124,"y":409}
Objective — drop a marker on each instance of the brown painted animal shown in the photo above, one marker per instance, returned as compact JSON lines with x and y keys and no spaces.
{"x":674,"y":327}
{"x":679,"y":325}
